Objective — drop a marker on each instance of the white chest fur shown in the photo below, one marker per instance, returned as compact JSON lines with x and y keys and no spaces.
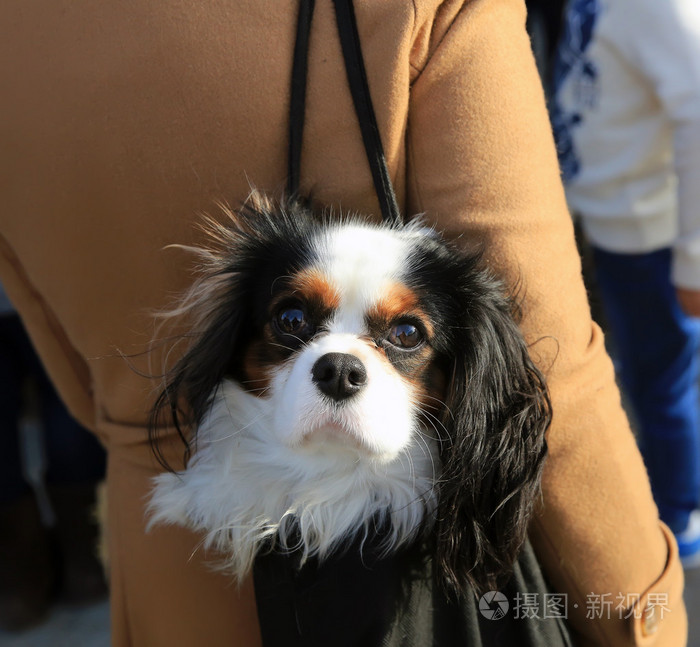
{"x":243,"y":486}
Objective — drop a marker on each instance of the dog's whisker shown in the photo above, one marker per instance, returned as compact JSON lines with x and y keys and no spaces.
{"x":425,"y":448}
{"x":290,"y":348}
{"x":433,"y":421}
{"x":442,"y":405}
{"x":260,"y":390}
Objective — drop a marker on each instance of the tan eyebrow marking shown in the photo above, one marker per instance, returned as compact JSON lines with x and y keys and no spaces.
{"x":398,"y":302}
{"x":313,"y":287}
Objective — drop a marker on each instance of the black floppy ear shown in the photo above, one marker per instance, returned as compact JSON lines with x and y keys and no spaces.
{"x":216,"y":310}
{"x":217,"y":320}
{"x":244,"y":257}
{"x":497,"y":413}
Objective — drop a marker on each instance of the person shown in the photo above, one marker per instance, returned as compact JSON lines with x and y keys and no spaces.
{"x":627,"y":120}
{"x":120,"y":127}
{"x":48,"y":536}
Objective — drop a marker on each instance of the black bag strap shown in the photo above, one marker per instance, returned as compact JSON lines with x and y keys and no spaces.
{"x":362,"y":100}
{"x":297,"y":104}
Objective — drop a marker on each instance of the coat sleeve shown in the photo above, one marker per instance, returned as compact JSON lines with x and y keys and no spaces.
{"x":481,"y":164}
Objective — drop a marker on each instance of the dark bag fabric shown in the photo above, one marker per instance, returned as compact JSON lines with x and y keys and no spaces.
{"x":357,"y":601}
{"x":354,"y":598}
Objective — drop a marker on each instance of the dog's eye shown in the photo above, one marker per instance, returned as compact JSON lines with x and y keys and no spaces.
{"x":291,"y":320}
{"x":405,"y":335}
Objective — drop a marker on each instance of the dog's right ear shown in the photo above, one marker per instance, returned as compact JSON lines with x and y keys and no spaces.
{"x":214,"y":312}
{"x":215,"y":320}
{"x":244,"y":257}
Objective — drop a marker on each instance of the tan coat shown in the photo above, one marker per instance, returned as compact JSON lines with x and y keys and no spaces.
{"x":121,"y":122}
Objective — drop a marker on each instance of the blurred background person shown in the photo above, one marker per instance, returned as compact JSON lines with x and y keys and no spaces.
{"x":544,"y":25}
{"x":49,"y":470}
{"x":626,"y":116}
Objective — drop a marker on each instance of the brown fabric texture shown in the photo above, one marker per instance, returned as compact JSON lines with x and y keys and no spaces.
{"x":123,"y":122}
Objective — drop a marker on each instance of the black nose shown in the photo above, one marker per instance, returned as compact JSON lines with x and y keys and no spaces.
{"x":339,"y":375}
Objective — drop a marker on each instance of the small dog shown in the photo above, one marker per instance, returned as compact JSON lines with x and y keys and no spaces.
{"x":346,"y":376}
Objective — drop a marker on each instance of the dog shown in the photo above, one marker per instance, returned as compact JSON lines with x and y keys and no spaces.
{"x":345,"y":376}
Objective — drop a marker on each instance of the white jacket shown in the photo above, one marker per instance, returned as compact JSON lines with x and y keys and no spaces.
{"x":626,"y":114}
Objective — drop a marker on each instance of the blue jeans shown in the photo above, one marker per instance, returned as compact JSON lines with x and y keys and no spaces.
{"x":656,"y":348}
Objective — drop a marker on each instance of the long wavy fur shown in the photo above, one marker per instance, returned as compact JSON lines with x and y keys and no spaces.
{"x":497,"y":410}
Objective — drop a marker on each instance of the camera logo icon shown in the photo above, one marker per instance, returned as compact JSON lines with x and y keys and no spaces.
{"x":493,"y":605}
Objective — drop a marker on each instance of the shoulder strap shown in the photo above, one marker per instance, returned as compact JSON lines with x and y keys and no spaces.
{"x":362,"y":100}
{"x":297,"y":105}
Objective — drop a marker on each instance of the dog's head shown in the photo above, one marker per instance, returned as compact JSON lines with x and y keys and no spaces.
{"x":367,"y":359}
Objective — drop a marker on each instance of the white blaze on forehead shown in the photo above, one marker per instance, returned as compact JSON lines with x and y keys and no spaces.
{"x":360,"y":262}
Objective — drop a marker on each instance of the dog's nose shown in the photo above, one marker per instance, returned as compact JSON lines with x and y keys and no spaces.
{"x":339,"y":375}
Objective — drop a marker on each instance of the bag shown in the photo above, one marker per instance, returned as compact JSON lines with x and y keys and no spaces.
{"x":355,"y":599}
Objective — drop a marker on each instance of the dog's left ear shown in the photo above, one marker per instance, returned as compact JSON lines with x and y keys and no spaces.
{"x":497,"y":413}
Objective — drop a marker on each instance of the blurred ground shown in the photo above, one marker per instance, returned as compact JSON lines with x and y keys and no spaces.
{"x":66,"y":627}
